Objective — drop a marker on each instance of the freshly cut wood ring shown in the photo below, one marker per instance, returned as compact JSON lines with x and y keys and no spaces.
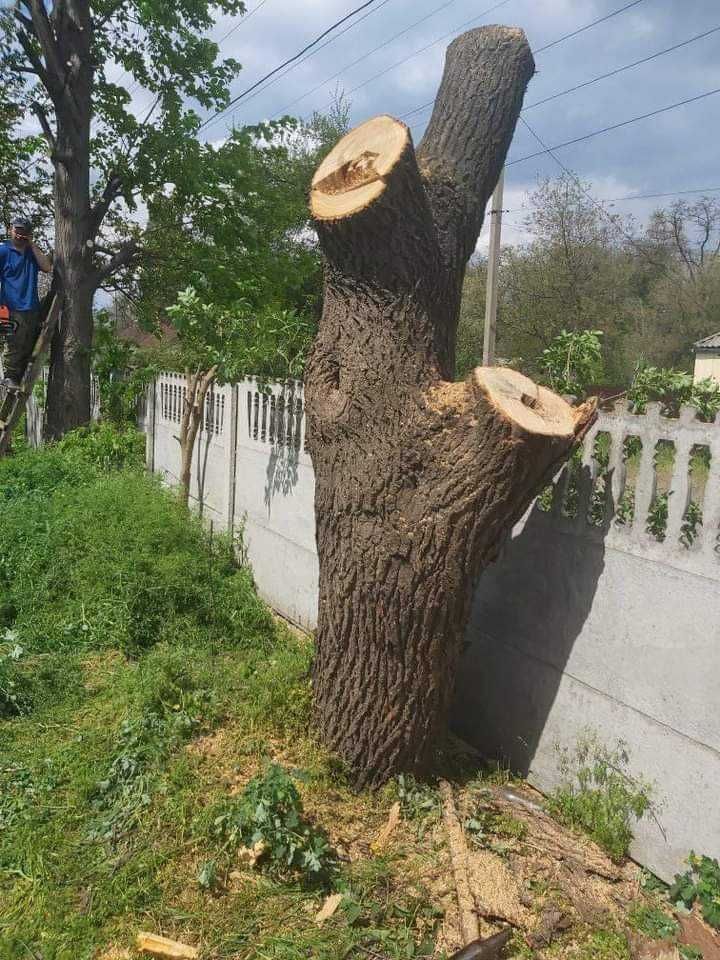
{"x":353,"y":173}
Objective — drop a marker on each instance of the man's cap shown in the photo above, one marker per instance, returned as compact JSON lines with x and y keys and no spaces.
{"x":22,"y":224}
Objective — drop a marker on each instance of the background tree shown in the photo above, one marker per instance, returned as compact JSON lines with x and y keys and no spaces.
{"x":684,"y":302}
{"x":242,"y":268}
{"x":418,"y":478}
{"x":652,"y":292}
{"x":69,"y":51}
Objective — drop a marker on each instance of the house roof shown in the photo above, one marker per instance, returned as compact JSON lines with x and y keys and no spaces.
{"x":709,"y":343}
{"x":143,"y":338}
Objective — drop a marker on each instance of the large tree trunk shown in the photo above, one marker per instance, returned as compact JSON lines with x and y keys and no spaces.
{"x":418,"y":479}
{"x":68,"y":398}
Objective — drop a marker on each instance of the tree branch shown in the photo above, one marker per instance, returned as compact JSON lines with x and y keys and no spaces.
{"x":472,"y":124}
{"x":464,"y":149}
{"x":112,"y":191}
{"x":39,"y":112}
{"x":25,"y":39}
{"x":123,"y":257}
{"x":110,"y":14}
{"x":44,"y":33}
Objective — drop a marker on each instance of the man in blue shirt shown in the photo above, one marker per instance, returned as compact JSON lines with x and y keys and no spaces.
{"x":20,"y":260}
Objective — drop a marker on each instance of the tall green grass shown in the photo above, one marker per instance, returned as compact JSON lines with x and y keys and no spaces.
{"x":125,"y":632}
{"x":92,"y":558}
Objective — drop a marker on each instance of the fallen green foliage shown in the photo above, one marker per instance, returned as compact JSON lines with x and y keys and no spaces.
{"x":268,"y":819}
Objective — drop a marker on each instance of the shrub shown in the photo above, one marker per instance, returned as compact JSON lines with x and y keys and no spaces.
{"x":599,"y":796}
{"x":701,"y":884}
{"x":573,"y":361}
{"x":106,"y":446}
{"x":673,"y":388}
{"x":78,"y":459}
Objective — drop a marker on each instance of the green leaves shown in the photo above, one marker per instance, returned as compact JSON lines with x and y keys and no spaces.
{"x":653,"y":922}
{"x":701,"y":883}
{"x":599,"y":795}
{"x":573,"y":361}
{"x":268,"y":820}
{"x":673,"y":388}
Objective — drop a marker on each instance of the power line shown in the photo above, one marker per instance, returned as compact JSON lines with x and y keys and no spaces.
{"x":641,"y":196}
{"x":364,"y":57}
{"x":613,"y":220}
{"x":574,"y":33}
{"x":317,"y":50}
{"x":657,"y":196}
{"x":612,"y":126}
{"x":243,"y":19}
{"x":285,"y":63}
{"x":627,"y":66}
{"x":427,"y":47}
{"x":553,"y":43}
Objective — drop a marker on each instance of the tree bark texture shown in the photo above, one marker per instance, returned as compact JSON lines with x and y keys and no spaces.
{"x":68,"y":396}
{"x":418,"y":479}
{"x":197,"y":388}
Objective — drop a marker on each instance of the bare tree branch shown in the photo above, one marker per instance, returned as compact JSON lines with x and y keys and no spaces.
{"x":128,"y":253}
{"x":112,"y":191}
{"x":39,"y":112}
{"x":25,"y":39}
{"x":44,"y":33}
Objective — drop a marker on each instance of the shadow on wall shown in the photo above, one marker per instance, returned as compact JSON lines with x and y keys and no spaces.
{"x":281,"y":474}
{"x":528,"y":610}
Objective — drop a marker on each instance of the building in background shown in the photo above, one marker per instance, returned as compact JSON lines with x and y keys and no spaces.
{"x":707,"y":358}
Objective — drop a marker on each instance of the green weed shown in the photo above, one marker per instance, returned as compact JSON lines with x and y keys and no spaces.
{"x":701,"y":884}
{"x":604,"y":945}
{"x":599,"y":795}
{"x":653,"y":922}
{"x":493,"y":830}
{"x":268,"y":818}
{"x":419,"y":802}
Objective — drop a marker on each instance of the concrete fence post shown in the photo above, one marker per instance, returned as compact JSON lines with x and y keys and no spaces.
{"x":231,"y":450}
{"x":150,"y":422}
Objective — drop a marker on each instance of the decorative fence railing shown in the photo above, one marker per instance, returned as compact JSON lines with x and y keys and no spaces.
{"x":647,"y":483}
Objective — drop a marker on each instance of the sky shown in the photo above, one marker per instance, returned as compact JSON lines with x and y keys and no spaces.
{"x":676,"y":150}
{"x":389,"y":59}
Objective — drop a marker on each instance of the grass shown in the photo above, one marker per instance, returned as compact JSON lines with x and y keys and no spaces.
{"x":142,"y":686}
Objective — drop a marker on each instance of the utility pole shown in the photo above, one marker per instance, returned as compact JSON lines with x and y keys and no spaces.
{"x":492,"y":273}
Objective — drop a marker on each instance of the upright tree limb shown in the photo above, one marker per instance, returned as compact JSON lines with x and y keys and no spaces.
{"x":44,"y":124}
{"x":464,"y":148}
{"x":112,"y":190}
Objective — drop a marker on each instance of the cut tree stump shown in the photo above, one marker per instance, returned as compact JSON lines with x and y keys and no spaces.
{"x":418,"y":479}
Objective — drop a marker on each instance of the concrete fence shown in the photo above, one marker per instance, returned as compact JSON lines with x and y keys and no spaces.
{"x":602,"y":613}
